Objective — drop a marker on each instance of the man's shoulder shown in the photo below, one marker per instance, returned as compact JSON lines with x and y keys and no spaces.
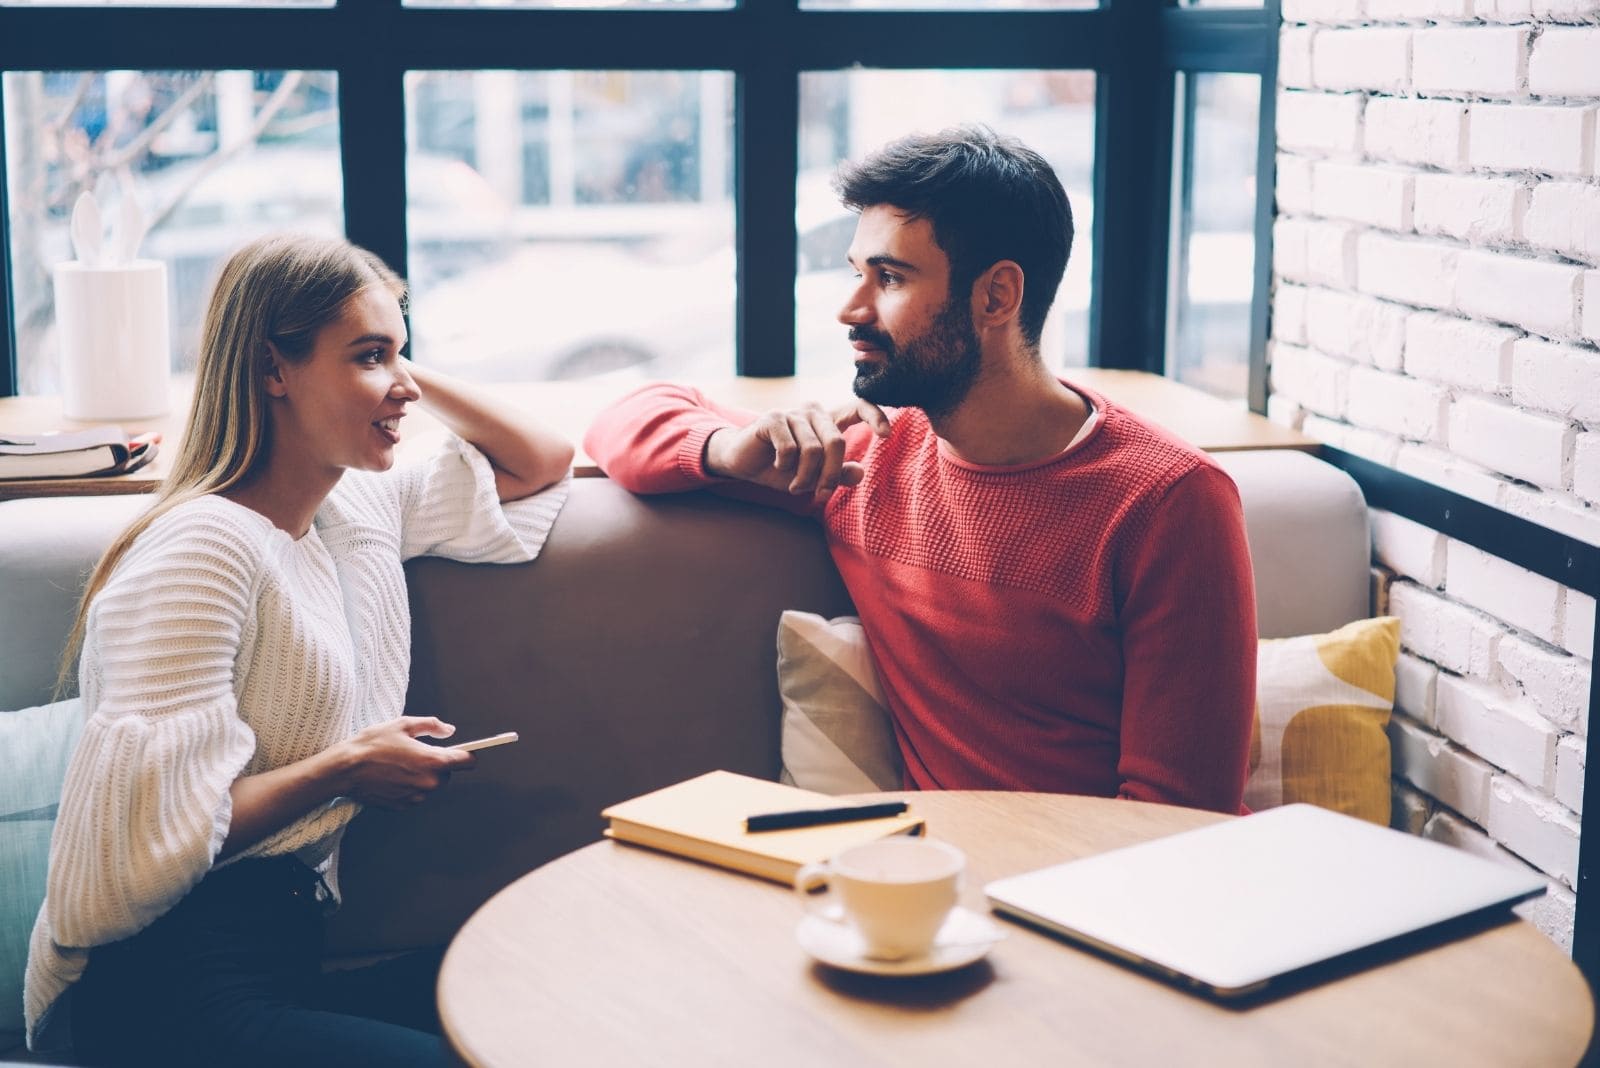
{"x":1144,"y":456}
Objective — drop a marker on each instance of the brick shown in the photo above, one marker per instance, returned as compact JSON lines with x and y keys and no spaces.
{"x":1449,"y":634}
{"x":1586,"y":466}
{"x":1553,"y":913}
{"x":1408,"y":548}
{"x":1411,"y":272}
{"x":1563,"y":380}
{"x":1459,"y":352}
{"x":1563,"y":63}
{"x":1511,"y":441}
{"x":1543,"y":138}
{"x":1557,"y":511}
{"x":1449,"y":829}
{"x":1289,"y":249}
{"x":1294,"y":56}
{"x":1408,"y":809}
{"x":1414,"y":682}
{"x":1366,"y":58}
{"x":1483,"y":61}
{"x":1452,"y":472}
{"x":1534,"y":827}
{"x":1289,"y":314}
{"x":1408,"y":407}
{"x":1319,"y":122}
{"x":1355,"y":327}
{"x":1321,"y":10}
{"x":1394,"y":10}
{"x":1554,"y":682}
{"x":1591,"y":305}
{"x":1502,"y":589}
{"x":1577,"y":628}
{"x":1473,"y":209}
{"x":1440,"y":770}
{"x":1294,"y":184}
{"x":1505,"y":733}
{"x":1378,"y":581}
{"x":1363,"y":193}
{"x":1315,"y":381}
{"x":1565,"y":216}
{"x":1433,"y":132}
{"x":1571,"y":752}
{"x":1331,"y":254}
{"x":1532,"y":294}
{"x":1370,"y":444}
{"x":1284,"y":411}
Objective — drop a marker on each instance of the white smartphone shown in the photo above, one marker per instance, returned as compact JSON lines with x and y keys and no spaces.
{"x":487,"y":743}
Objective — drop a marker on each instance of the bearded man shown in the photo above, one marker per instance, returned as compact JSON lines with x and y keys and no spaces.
{"x":1056,"y":594}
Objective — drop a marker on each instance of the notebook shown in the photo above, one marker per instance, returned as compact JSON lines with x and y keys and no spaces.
{"x":1231,"y":907}
{"x":703,"y":818}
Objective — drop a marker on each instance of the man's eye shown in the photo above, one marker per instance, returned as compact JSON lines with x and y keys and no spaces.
{"x":888,"y":278}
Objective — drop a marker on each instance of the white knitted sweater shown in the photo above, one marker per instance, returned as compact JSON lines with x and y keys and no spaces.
{"x":222,"y":647}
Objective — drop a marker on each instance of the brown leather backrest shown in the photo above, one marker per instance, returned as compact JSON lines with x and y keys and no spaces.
{"x":637,"y":650}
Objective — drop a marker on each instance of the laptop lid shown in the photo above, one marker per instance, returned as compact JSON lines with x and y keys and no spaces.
{"x":1229,"y":907}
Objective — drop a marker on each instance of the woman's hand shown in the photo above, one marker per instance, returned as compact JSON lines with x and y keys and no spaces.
{"x":386,"y":765}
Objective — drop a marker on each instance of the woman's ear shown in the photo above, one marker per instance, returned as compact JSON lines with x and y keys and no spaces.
{"x":272,"y":371}
{"x":997,"y":295}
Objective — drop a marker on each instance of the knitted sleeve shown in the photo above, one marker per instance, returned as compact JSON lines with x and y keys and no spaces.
{"x":448,"y":506}
{"x":1189,"y":649}
{"x":146,"y":805}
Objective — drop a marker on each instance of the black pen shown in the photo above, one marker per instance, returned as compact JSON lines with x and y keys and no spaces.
{"x":811,"y":817}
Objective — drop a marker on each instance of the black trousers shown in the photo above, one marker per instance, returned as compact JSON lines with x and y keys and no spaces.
{"x":231,"y":976}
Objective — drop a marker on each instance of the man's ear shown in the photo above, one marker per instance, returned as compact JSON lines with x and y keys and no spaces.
{"x":997,"y":295}
{"x":272,"y":371}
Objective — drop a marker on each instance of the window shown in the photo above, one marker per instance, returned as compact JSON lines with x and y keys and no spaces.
{"x":639,"y":187}
{"x":210,"y":158}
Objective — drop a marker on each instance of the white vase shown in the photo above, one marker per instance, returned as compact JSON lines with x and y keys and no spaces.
{"x":116,"y":353}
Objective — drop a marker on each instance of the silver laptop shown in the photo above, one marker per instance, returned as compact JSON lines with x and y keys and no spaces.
{"x":1230,"y":907}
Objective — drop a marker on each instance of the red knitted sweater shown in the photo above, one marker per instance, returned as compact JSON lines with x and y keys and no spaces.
{"x":1081,"y":624}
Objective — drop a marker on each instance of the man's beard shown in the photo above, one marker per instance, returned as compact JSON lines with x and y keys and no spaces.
{"x":933,"y":372}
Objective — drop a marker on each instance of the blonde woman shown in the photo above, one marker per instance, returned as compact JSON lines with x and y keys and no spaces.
{"x":245,"y":647}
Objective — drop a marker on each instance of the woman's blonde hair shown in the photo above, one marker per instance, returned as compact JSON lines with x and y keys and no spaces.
{"x":274,"y":293}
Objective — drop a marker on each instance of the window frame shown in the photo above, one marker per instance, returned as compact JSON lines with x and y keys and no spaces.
{"x":766,"y":44}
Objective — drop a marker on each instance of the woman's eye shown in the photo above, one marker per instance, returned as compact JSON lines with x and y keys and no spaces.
{"x":372,"y":357}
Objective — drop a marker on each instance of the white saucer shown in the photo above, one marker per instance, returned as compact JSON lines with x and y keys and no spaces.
{"x":965,"y":937}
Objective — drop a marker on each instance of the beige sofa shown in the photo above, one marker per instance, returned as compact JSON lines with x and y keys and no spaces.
{"x":636,"y":651}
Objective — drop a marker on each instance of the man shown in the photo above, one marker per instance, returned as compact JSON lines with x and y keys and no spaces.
{"x":1057,"y":595}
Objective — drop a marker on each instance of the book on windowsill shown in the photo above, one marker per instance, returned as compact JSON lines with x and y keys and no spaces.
{"x":103,"y":450}
{"x":703,"y":819}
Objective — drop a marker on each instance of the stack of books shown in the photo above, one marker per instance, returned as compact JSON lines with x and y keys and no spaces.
{"x":105,"y":450}
{"x":704,"y":819}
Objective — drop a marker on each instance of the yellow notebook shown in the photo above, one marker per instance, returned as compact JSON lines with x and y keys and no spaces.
{"x":703,"y":818}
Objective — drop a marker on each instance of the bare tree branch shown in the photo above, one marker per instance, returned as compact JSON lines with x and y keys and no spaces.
{"x":132,"y":150}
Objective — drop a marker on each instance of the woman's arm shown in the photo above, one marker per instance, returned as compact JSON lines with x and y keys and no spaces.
{"x":383,"y":765}
{"x":526,"y":456}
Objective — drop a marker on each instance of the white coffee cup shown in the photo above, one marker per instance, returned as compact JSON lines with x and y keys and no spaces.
{"x":896,"y":892}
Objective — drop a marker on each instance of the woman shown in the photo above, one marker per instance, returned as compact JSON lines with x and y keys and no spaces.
{"x":245,"y":651}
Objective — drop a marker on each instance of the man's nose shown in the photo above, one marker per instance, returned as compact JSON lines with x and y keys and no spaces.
{"x":857,"y":309}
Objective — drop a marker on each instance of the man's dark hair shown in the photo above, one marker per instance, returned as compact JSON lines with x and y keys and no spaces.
{"x":989,"y":198}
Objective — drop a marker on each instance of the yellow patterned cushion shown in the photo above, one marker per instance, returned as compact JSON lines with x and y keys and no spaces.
{"x":1322,"y":702}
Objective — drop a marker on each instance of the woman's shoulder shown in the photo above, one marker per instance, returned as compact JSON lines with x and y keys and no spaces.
{"x":208,"y":534}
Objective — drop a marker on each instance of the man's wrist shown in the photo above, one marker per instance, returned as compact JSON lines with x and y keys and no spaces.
{"x":710,"y":456}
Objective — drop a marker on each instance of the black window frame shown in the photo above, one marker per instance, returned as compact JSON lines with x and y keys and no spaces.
{"x":1135,"y":48}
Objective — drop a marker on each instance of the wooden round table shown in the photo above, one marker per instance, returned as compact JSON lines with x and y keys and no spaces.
{"x":619,"y":955}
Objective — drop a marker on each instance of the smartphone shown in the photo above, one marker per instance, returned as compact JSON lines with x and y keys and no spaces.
{"x":487,"y":743}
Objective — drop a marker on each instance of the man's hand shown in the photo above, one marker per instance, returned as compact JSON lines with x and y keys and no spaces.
{"x":798,"y":451}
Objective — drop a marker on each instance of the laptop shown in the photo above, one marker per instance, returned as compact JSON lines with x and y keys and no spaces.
{"x":1232,"y":907}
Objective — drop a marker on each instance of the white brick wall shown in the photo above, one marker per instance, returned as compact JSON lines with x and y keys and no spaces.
{"x":1438,"y":309}
{"x":1532,"y":294}
{"x":1470,"y":208}
{"x":1564,"y":217}
{"x":1485,"y":61}
{"x":1563,"y":63}
{"x":1548,"y":138}
{"x":1459,"y":352}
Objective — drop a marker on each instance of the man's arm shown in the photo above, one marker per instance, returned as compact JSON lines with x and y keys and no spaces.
{"x":1189,"y":650}
{"x":666,"y":438}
